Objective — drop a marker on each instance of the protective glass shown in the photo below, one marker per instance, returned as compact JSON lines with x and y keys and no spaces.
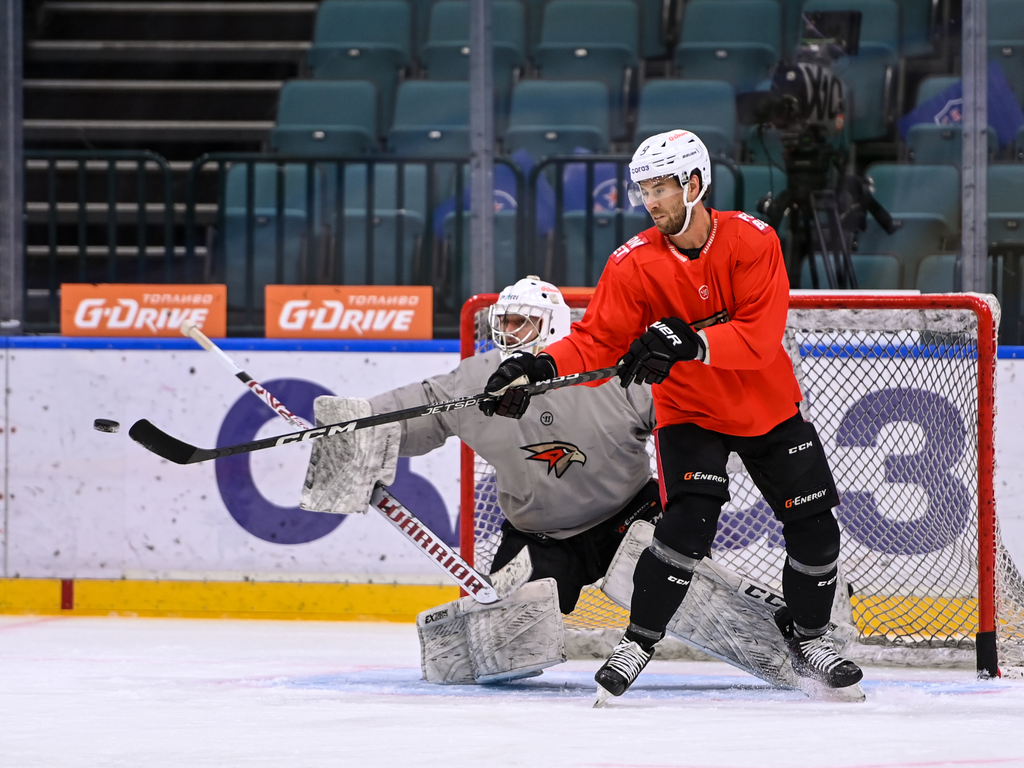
{"x":653,"y":190}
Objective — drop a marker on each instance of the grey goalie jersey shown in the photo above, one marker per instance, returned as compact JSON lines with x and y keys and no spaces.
{"x":575,"y":459}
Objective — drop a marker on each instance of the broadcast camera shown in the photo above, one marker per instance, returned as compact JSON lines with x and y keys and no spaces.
{"x":805,"y":109}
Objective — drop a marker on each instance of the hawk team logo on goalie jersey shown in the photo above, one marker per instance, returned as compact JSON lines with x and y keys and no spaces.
{"x":559,"y":456}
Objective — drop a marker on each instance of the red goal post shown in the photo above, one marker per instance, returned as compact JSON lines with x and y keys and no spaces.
{"x":902,"y":390}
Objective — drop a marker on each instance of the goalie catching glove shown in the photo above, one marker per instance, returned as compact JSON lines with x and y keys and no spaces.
{"x":517,"y":370}
{"x":652,"y":355}
{"x":344,"y":468}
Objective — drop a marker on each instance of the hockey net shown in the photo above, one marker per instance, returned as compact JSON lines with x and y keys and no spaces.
{"x":901,"y":390}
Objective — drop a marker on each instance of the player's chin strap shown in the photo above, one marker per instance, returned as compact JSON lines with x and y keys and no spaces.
{"x":689,"y":204}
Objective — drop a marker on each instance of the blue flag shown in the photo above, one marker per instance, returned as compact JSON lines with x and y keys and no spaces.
{"x":946,"y":107}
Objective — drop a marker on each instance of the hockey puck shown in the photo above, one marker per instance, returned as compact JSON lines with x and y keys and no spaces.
{"x":106,"y":425}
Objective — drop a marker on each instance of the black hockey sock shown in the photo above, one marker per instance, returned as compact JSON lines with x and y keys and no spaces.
{"x":809,"y":598}
{"x":658,"y":589}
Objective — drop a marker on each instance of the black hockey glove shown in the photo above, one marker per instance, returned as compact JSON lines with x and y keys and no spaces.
{"x":665,"y":343}
{"x":517,"y":369}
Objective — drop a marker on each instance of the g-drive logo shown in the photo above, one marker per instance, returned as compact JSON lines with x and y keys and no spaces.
{"x":114,"y":309}
{"x":349,"y":312}
{"x":126,"y":313}
{"x":331,"y":314}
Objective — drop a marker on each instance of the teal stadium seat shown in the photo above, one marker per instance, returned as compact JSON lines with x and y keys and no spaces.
{"x":705,"y":107}
{"x":870,"y":74}
{"x":377,"y":246}
{"x":326,"y":117}
{"x":554,"y":118}
{"x":431,"y":119}
{"x":592,"y":40}
{"x":938,"y":273}
{"x":583,"y":268}
{"x":931,"y":143}
{"x":1006,"y":41}
{"x":446,"y":52}
{"x":739,"y":41}
{"x":933,"y":85}
{"x":506,"y":270}
{"x":1006,"y":204}
{"x":924,"y":200}
{"x":874,"y":272}
{"x":655,"y":27}
{"x":758,"y":181}
{"x":283,"y":248}
{"x":916,"y":29}
{"x":363,"y":40}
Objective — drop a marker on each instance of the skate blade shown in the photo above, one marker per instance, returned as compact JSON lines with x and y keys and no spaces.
{"x":819,"y":691}
{"x":603,"y":694}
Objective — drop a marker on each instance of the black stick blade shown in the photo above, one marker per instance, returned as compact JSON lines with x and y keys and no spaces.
{"x":159,"y":442}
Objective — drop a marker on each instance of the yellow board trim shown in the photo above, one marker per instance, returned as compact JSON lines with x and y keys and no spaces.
{"x":223,"y":599}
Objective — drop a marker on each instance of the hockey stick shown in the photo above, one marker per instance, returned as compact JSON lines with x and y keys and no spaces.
{"x":154,"y":439}
{"x":484,"y":589}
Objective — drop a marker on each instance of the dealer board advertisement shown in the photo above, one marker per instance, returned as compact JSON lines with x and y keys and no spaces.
{"x":88,"y":504}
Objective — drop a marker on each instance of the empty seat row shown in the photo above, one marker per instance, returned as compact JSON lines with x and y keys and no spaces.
{"x":296,"y":222}
{"x":598,"y":40}
{"x":326,"y":117}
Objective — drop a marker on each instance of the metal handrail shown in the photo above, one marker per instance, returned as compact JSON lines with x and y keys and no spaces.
{"x":84,"y":162}
{"x":330,"y":169}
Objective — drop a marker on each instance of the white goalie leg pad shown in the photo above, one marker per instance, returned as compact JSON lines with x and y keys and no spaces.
{"x":344,"y":468}
{"x":725,"y":615}
{"x":466,"y":642}
{"x":444,"y":646}
{"x":518,"y":636}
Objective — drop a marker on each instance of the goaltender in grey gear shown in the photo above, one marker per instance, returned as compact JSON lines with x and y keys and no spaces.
{"x":572,"y":463}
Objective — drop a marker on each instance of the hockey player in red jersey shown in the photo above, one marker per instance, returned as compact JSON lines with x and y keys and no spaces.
{"x":697,"y":305}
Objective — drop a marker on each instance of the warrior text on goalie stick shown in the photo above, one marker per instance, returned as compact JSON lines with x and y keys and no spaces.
{"x":482,"y":588}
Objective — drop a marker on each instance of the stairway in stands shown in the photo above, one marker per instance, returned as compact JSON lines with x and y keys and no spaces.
{"x":178,"y":78}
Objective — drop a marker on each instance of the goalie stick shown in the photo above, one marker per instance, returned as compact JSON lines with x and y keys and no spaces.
{"x":154,"y":439}
{"x":483,"y":589}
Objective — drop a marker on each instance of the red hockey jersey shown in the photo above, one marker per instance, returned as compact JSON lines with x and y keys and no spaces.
{"x":739,"y":283}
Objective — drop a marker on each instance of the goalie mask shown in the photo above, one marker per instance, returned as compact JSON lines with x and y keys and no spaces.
{"x":675,"y":153}
{"x":528,"y":316}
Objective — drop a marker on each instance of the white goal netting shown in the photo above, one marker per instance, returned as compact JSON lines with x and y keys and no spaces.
{"x":901,"y":390}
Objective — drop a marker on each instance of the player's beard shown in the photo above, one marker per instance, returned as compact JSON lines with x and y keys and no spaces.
{"x":672,"y":223}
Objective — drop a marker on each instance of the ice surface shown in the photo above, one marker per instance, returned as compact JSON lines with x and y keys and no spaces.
{"x":168,"y":693}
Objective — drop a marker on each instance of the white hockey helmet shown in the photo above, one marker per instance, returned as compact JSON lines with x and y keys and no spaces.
{"x":675,"y":153}
{"x":528,"y":316}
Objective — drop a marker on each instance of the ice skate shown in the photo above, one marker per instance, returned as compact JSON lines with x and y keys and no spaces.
{"x":622,"y":668}
{"x":822,"y":672}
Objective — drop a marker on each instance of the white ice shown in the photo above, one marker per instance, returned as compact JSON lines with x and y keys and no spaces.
{"x":169,"y":693}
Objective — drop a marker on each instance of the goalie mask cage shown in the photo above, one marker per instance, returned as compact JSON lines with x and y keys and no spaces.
{"x":901,"y":389}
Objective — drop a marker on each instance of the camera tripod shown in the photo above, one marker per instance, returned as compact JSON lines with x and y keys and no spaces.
{"x":815,"y":225}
